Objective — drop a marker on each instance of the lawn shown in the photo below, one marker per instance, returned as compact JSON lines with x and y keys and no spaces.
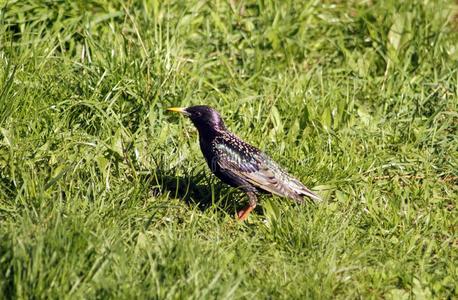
{"x":103,"y":194}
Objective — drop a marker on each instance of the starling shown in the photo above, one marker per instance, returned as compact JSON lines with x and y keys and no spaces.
{"x":239,"y":164}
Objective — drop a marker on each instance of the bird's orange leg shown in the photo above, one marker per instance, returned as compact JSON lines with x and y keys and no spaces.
{"x":243,"y":214}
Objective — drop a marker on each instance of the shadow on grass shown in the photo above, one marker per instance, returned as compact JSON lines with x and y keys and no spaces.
{"x":198,"y":189}
{"x":201,"y":190}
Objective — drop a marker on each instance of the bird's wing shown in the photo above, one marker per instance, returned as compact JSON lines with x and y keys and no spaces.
{"x":261,"y":171}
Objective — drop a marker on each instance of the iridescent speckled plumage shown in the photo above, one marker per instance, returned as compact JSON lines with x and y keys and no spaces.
{"x":239,"y":164}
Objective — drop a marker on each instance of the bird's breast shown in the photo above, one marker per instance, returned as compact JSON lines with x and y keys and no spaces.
{"x":207,"y":148}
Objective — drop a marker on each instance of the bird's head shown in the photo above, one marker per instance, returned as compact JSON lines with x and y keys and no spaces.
{"x":204,"y":117}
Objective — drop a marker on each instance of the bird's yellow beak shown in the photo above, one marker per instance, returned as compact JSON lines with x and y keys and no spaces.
{"x":177,"y":109}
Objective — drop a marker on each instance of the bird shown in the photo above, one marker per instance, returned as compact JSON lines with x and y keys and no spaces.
{"x":240,"y":164}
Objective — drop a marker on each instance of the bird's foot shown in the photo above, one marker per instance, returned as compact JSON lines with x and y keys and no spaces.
{"x":243,"y":214}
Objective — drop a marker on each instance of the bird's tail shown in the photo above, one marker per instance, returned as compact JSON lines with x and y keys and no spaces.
{"x":311,"y":195}
{"x":300,"y":191}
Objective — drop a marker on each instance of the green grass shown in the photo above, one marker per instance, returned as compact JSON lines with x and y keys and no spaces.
{"x":105,"y":195}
